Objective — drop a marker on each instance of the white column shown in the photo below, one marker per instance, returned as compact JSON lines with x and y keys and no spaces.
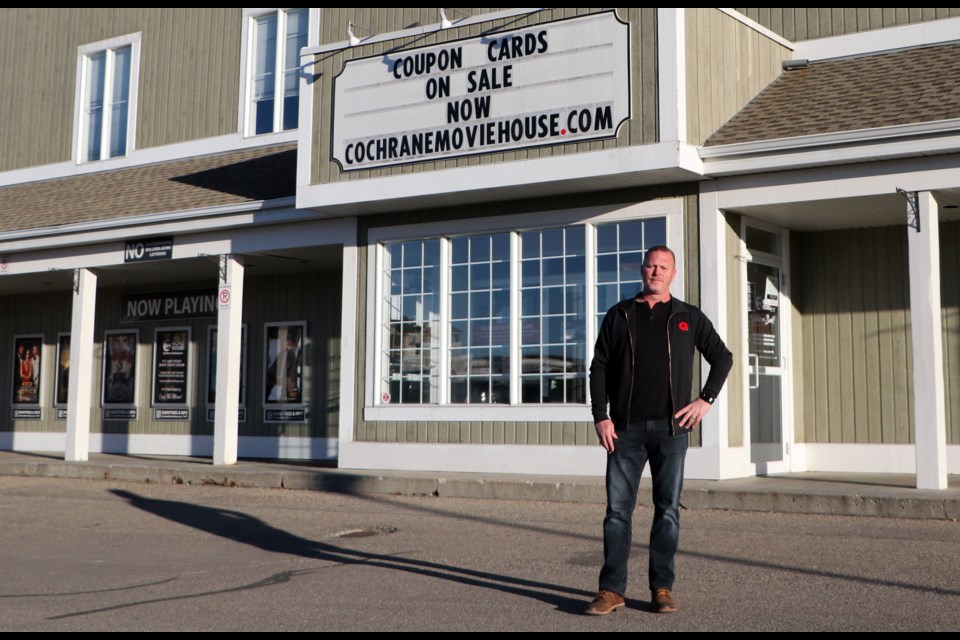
{"x":672,"y":73}
{"x":713,"y":302}
{"x":929,"y":414}
{"x":229,"y":331}
{"x":81,"y":365}
{"x":348,"y":349}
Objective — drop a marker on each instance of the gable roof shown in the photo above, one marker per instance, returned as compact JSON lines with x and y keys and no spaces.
{"x":865,"y":92}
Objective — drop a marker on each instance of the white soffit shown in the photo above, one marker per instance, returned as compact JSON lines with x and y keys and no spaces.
{"x":846,"y":213}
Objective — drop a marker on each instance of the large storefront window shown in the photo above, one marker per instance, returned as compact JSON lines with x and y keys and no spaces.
{"x":553,"y":309}
{"x":412,"y":322}
{"x":502,"y":318}
{"x":480,"y":319}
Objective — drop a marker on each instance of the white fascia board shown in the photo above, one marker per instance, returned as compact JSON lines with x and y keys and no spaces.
{"x":778,"y":145}
{"x":756,"y":26}
{"x":247,"y":236}
{"x":928,"y":173}
{"x":419,"y":31}
{"x":879,"y":40}
{"x":802,"y":156}
{"x":141,"y":157}
{"x":613,"y":163}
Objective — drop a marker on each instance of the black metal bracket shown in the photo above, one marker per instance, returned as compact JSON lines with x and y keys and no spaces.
{"x":221,"y":262}
{"x":913,"y":208}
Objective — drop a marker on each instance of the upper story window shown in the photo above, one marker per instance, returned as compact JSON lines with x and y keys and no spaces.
{"x":107,"y":74}
{"x":272,"y":80}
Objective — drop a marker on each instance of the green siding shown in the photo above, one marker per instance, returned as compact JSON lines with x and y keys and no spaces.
{"x":313,"y":297}
{"x":642,"y":128}
{"x":333,"y":27}
{"x":728,"y":64}
{"x":850,"y":288}
{"x":733,"y":389}
{"x":499,"y":432}
{"x":46,"y":313}
{"x":189,"y":74}
{"x":806,"y":24}
{"x":950,"y":300}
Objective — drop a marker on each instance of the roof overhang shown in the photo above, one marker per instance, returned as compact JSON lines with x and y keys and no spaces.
{"x":843,"y":147}
{"x":637,"y":166}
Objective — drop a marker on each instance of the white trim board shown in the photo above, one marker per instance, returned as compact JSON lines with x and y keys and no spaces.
{"x":283,"y":448}
{"x":879,"y":40}
{"x":669,"y":208}
{"x":756,"y":26}
{"x":827,"y":183}
{"x":633,"y":166}
{"x":671,"y":73}
{"x":212,"y":238}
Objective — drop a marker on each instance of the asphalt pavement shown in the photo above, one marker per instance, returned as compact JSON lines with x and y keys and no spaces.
{"x":886,"y":495}
{"x":106,"y":555}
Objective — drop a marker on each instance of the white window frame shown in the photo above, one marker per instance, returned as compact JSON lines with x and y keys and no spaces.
{"x":79,"y":121}
{"x":247,"y":63}
{"x":374,"y":409}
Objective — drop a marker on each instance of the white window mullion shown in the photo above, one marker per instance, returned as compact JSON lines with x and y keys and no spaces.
{"x":590,"y":297}
{"x":378,"y":354}
{"x":515,"y":354}
{"x":106,"y":109}
{"x":279,"y":75}
{"x":444,"y":366}
{"x":81,"y":121}
{"x":250,"y":71}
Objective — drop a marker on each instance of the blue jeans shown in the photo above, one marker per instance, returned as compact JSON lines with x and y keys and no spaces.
{"x":646,"y":440}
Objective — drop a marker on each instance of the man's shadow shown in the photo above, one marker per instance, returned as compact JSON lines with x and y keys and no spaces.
{"x":246,"y":529}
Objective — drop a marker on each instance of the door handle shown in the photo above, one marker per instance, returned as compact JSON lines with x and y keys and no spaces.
{"x":754,"y":382}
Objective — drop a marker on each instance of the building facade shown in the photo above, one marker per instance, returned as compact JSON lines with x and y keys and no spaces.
{"x":387,"y":236}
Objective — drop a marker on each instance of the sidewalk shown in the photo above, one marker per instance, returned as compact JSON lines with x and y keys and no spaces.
{"x":885,"y":495}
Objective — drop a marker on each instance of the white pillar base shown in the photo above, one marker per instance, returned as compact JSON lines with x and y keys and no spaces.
{"x":929,"y":413}
{"x":77,"y":446}
{"x":229,"y":345}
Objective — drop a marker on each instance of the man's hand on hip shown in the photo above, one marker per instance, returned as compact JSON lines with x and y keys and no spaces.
{"x":607,"y":434}
{"x":691,"y":415}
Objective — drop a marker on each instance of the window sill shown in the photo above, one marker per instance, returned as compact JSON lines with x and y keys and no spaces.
{"x":479,"y":413}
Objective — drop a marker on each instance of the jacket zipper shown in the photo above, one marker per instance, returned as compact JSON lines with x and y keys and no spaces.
{"x":673,"y":408}
{"x":633,"y":363}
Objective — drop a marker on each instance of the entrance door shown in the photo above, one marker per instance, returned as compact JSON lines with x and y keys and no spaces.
{"x":765,"y":332}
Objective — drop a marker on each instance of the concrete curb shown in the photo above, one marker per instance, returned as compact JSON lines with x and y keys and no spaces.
{"x":775,"y":494}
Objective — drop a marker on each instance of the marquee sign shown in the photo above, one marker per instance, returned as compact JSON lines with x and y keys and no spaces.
{"x":551,"y":83}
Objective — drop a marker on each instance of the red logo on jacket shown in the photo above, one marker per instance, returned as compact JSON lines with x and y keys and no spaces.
{"x":683,"y":326}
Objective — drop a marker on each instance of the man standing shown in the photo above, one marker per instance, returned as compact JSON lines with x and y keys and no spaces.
{"x":643,"y":367}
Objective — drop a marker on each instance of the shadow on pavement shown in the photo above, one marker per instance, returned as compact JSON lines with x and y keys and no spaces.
{"x":246,"y":529}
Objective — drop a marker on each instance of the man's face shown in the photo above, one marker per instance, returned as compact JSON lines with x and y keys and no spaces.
{"x":659,"y":271}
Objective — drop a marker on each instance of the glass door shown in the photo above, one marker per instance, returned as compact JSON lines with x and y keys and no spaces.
{"x":766,"y":362}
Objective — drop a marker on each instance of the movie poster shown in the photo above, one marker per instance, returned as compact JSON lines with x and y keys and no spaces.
{"x":62,"y":392}
{"x":27,"y":352}
{"x":212,"y":366}
{"x":284,"y":363}
{"x":120,"y":368}
{"x":171,"y":366}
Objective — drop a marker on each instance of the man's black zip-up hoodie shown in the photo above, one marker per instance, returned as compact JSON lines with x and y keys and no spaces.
{"x":611,"y":372}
